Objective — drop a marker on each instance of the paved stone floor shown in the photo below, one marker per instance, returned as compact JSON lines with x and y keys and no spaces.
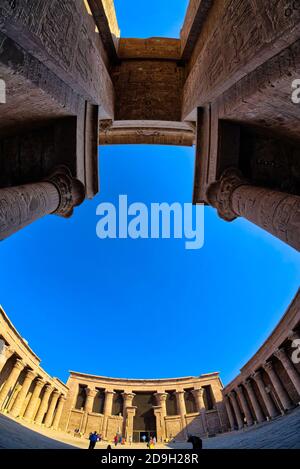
{"x":281,"y":433}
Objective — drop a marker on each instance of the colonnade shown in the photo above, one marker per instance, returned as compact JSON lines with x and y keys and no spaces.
{"x":31,"y":398}
{"x":129,"y":410}
{"x":253,"y":401}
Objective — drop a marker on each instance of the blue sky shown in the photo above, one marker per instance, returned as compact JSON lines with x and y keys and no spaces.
{"x":145,"y":308}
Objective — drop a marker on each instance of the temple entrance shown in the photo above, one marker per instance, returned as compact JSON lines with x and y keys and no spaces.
{"x":144,"y":423}
{"x":143,"y":437}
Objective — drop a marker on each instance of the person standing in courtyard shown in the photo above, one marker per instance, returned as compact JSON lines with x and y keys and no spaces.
{"x":93,"y":440}
{"x":196,"y":442}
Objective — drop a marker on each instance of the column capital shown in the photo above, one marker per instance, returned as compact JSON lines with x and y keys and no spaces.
{"x":71,"y":191}
{"x":39,"y":383}
{"x":129,"y":395}
{"x":91,"y":392}
{"x":109,"y":391}
{"x":232,"y":393}
{"x":30,"y":374}
{"x":48,"y":389}
{"x":268,"y":366}
{"x":56,"y":393}
{"x":280,"y":353}
{"x":198,"y":392}
{"x":161,"y":396}
{"x":19,"y":364}
{"x":257,"y":375}
{"x":219,"y":193}
{"x":180,"y":392}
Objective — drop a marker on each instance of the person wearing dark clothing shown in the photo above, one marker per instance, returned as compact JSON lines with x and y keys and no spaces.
{"x":93,"y":440}
{"x":196,"y":442}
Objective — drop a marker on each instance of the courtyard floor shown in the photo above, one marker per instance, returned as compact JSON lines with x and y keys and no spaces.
{"x":283,"y":432}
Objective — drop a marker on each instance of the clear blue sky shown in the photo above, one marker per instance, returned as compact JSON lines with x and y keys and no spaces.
{"x":145,"y":308}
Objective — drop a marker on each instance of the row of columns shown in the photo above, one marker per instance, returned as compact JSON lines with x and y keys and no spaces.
{"x":129,"y":409}
{"x":21,"y":205}
{"x":276,"y":212}
{"x":45,"y":404}
{"x":235,"y":400}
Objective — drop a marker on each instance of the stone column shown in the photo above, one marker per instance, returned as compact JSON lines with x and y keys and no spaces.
{"x":289,"y":368}
{"x":255,"y":404}
{"x":11,"y":380}
{"x":108,"y":403}
{"x":89,"y":402}
{"x":161,"y":399}
{"x":17,"y":406}
{"x":266,"y":396}
{"x":229,"y":413}
{"x":276,"y":212}
{"x":281,"y":392}
{"x":128,"y":399}
{"x":198,"y":395}
{"x":182,"y":409}
{"x":5,"y":353}
{"x":88,"y":408}
{"x":245,"y":406}
{"x":22,"y":205}
{"x":160,"y":424}
{"x":43,"y":405}
{"x":58,"y":413}
{"x":50,"y":412}
{"x":129,"y":416}
{"x":30,"y":411}
{"x":236,"y":409}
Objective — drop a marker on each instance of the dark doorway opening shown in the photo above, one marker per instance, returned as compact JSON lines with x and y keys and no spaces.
{"x":143,"y":437}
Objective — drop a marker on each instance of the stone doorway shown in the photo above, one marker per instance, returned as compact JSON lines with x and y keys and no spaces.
{"x":143,"y":436}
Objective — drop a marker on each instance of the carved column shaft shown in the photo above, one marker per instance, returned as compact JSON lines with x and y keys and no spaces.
{"x":128,"y":400}
{"x":161,"y":398}
{"x":17,"y":406}
{"x":274,"y":211}
{"x":198,"y":395}
{"x":11,"y":381}
{"x":58,"y":413}
{"x":255,"y":404}
{"x":281,"y":392}
{"x":266,"y":396}
{"x":108,"y":403}
{"x":182,"y":409}
{"x":50,"y":412}
{"x":289,"y":368}
{"x":245,"y":406}
{"x":32,"y":405}
{"x":22,"y":205}
{"x":43,"y":405}
{"x":236,"y":409}
{"x":229,"y":412}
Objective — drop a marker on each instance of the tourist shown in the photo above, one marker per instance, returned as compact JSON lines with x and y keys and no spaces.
{"x":144,"y":438}
{"x":108,"y":448}
{"x":116,"y":440}
{"x":93,"y":440}
{"x":196,"y":442}
{"x":154,"y":440}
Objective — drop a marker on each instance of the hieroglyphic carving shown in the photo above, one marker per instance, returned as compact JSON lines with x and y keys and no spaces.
{"x":276,"y":212}
{"x":21,"y":205}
